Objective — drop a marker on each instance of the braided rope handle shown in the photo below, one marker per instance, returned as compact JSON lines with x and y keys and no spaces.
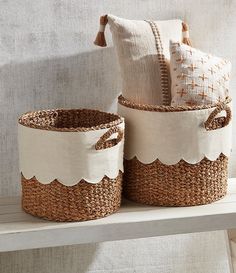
{"x":212,"y":117}
{"x":104,"y":142}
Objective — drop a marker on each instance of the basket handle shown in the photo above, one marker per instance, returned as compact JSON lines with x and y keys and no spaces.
{"x":212,"y":117}
{"x":104,"y":142}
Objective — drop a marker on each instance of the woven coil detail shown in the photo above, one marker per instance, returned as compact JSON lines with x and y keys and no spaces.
{"x":182,"y":184}
{"x":167,"y":108}
{"x":81,"y":202}
{"x":57,"y":147}
{"x":175,"y":181}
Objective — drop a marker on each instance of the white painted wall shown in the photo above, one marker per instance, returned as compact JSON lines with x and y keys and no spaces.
{"x":47,"y":60}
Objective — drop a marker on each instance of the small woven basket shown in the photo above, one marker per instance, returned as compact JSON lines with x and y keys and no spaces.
{"x":181,"y":184}
{"x":82,"y":201}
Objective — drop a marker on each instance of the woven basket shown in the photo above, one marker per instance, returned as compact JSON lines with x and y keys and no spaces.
{"x":83,"y":200}
{"x":181,"y":184}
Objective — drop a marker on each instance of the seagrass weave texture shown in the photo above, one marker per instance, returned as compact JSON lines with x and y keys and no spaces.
{"x":83,"y":201}
{"x":181,"y":184}
{"x":69,"y":120}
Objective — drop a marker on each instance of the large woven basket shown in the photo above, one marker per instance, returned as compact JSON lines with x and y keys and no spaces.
{"x":180,"y":184}
{"x":83,"y":200}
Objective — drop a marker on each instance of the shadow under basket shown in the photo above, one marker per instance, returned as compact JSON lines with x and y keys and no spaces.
{"x":82,"y":200}
{"x":177,"y":184}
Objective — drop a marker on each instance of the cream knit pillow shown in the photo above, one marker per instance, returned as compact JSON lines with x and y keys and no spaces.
{"x":143,"y":52}
{"x":197,"y":78}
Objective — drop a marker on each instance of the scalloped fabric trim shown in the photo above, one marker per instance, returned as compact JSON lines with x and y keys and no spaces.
{"x":68,"y":157}
{"x":64,"y":181}
{"x":172,"y":136}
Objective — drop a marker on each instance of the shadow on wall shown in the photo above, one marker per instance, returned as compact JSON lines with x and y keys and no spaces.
{"x":86,"y":80}
{"x":83,"y":80}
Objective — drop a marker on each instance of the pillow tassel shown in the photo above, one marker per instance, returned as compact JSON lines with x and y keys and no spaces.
{"x":100,"y":39}
{"x":185,"y":31}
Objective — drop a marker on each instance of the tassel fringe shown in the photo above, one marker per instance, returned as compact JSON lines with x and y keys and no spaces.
{"x":185,"y":31}
{"x":100,"y":39}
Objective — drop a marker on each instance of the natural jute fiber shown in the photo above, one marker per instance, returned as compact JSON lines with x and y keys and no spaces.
{"x":83,"y":201}
{"x":182,"y":184}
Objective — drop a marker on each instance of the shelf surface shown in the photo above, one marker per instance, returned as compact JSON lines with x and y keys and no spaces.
{"x":19,"y":230}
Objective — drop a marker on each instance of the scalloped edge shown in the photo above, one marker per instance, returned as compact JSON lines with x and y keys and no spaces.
{"x":51,"y":180}
{"x":211,"y":158}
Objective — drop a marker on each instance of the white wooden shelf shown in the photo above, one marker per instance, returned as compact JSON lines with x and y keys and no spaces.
{"x":19,"y":230}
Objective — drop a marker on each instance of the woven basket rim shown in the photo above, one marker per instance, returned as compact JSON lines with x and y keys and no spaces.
{"x":25,"y":121}
{"x":163,"y":108}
